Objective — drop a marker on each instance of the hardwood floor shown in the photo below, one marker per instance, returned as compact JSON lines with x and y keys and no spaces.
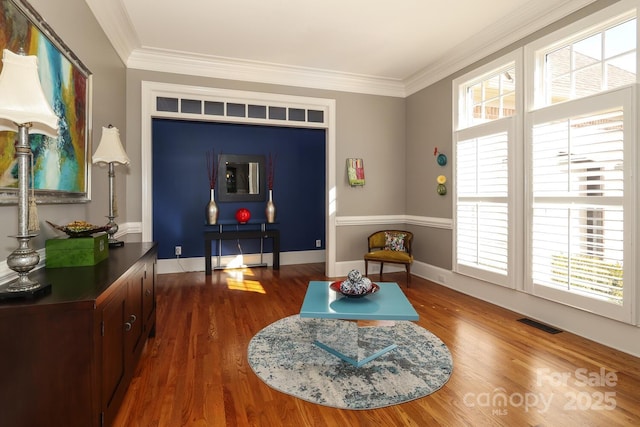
{"x":195,"y":371}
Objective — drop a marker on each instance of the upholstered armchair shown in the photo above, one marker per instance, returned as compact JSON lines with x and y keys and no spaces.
{"x":392,"y":247}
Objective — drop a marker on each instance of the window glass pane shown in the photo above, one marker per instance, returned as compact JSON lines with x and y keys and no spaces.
{"x":620,"y":39}
{"x":235,"y":110}
{"x":508,"y":81}
{"x":492,"y":109}
{"x":316,"y":116}
{"x":509,"y":105}
{"x":587,"y":51}
{"x":277,"y":113}
{"x":167,"y":104}
{"x":559,"y":89}
{"x":214,"y":108}
{"x":587,"y":81}
{"x":558,"y":63}
{"x":621,"y":70}
{"x":193,"y":106}
{"x":257,"y":111}
{"x":297,"y":114}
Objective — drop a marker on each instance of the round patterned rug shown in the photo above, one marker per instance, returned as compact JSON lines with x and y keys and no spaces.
{"x":284,"y":356}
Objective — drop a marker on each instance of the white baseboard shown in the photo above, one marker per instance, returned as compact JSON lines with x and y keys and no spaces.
{"x":178,"y":265}
{"x":570,"y":319}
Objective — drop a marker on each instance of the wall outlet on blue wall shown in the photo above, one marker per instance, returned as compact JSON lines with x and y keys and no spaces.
{"x":318,"y":243}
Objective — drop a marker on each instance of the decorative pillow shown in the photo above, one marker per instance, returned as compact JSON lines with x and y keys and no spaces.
{"x":394,"y":241}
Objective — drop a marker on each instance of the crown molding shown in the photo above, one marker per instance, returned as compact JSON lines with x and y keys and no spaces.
{"x":492,"y":40}
{"x":167,"y":61}
{"x":116,"y":24}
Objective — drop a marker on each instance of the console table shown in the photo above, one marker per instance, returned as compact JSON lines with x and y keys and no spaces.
{"x":223,"y":231}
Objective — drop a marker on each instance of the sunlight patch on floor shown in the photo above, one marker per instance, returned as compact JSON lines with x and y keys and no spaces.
{"x":237,"y":280}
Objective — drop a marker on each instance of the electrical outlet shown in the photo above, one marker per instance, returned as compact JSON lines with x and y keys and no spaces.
{"x":178,"y":250}
{"x":318,"y":243}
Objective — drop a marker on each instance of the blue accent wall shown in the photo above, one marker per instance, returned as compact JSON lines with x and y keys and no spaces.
{"x":181,"y":185}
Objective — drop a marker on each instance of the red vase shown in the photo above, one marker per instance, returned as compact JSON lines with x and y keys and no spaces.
{"x":243,"y":215}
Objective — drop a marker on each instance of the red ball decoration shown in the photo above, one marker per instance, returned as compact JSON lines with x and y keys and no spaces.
{"x":243,"y":215}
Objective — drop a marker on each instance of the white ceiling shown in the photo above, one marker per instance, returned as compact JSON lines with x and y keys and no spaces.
{"x":371,"y":46}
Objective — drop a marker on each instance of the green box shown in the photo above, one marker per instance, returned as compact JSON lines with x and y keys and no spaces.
{"x":76,"y":251}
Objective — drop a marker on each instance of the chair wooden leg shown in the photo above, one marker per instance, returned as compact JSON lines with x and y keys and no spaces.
{"x":381,"y":265}
{"x":366,"y":267}
{"x":408,"y":274}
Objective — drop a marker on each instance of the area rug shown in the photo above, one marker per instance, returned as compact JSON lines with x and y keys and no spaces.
{"x":284,"y":357}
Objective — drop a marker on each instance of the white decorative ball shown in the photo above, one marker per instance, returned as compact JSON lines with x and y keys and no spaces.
{"x":354,"y":276}
{"x":347,"y":287}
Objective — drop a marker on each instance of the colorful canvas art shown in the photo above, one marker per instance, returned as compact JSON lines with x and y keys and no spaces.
{"x":60,"y":166}
{"x":355,"y":171}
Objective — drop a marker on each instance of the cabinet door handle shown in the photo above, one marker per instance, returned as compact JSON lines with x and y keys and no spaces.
{"x":147,"y":292}
{"x":127,"y":327}
{"x":132,"y":319}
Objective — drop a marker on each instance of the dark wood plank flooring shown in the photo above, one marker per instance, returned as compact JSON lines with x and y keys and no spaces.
{"x":195,"y":371}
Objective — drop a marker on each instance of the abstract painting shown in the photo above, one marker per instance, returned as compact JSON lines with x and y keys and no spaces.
{"x":60,"y":165}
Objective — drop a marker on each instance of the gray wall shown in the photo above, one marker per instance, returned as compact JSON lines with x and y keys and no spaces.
{"x":73,"y":21}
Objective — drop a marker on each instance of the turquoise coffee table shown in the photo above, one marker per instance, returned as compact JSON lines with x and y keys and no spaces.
{"x":389,"y":303}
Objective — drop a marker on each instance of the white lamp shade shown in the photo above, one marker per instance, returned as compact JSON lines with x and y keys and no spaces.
{"x":22,"y":99}
{"x":110,"y":148}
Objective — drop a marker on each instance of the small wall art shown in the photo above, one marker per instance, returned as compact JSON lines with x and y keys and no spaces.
{"x":355,"y":172}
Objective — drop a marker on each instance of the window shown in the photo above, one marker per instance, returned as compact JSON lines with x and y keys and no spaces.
{"x":550,"y":186}
{"x":484,"y":149}
{"x":601,"y":59}
{"x":492,"y":98}
{"x":580,"y":153}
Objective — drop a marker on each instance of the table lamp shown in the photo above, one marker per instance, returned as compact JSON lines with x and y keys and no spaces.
{"x":110,"y":151}
{"x":23,"y":107}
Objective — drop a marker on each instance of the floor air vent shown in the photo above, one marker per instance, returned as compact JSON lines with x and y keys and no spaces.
{"x":540,"y":326}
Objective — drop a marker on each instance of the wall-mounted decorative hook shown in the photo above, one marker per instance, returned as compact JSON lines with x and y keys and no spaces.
{"x":441,"y":189}
{"x":441,"y":158}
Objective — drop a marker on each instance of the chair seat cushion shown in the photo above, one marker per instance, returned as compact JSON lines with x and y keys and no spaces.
{"x":389,"y":256}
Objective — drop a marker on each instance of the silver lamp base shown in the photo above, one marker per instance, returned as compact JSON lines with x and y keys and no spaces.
{"x":22,"y":261}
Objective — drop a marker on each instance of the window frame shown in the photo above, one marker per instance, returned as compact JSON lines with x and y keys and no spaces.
{"x":536,"y":50}
{"x":529,"y":109}
{"x":511,"y":125}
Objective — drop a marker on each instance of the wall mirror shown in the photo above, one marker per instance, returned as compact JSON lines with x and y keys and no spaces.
{"x":241,"y":178}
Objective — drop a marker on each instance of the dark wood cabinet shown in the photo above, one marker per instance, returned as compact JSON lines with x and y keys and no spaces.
{"x":67,"y":358}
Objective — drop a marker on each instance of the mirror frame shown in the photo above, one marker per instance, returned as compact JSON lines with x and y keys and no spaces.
{"x":223,"y":195}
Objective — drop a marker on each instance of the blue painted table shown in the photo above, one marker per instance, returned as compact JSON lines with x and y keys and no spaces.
{"x":389,"y":303}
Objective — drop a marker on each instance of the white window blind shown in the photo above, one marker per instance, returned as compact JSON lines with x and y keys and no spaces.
{"x":578,"y":189}
{"x":482,"y":208}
